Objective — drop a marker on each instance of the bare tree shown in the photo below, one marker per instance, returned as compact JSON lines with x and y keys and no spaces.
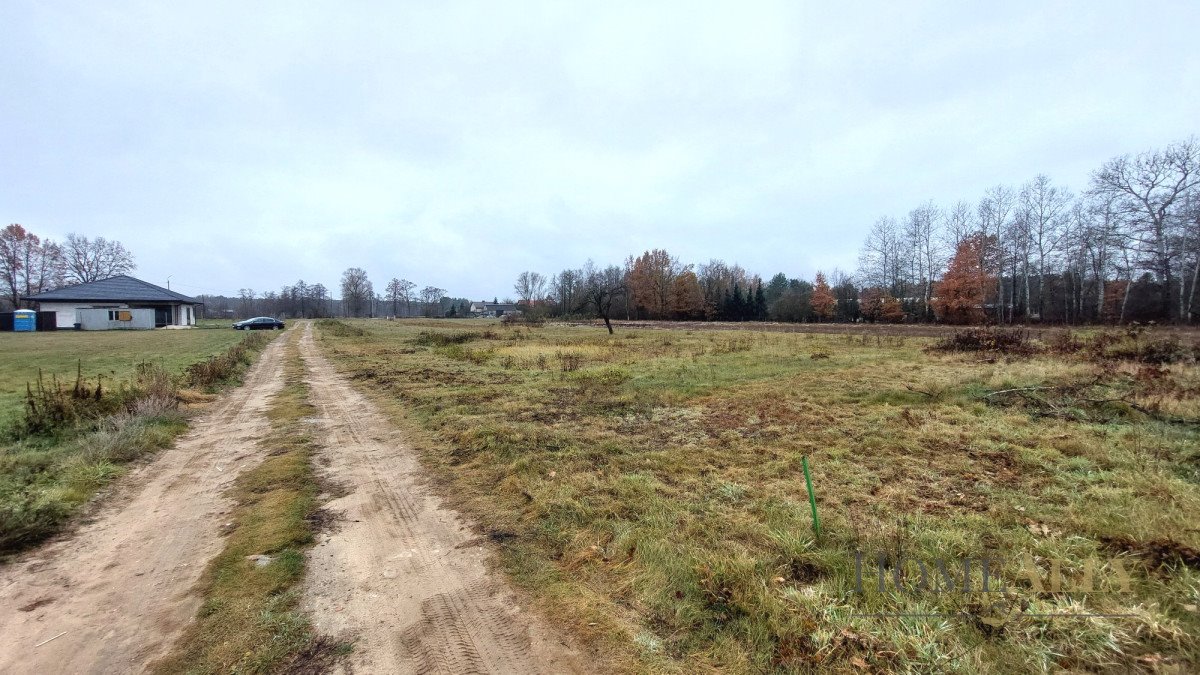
{"x":400,"y":290}
{"x":958,"y":224}
{"x":1191,"y":242}
{"x":89,"y":260}
{"x":357,"y":292}
{"x":1146,"y":189}
{"x":717,"y":280}
{"x":566,"y":286}
{"x":1043,"y":210}
{"x":995,"y":211}
{"x":431,"y":297}
{"x":245,"y":303}
{"x":28,"y":264}
{"x":319,"y":298}
{"x":925,"y":253}
{"x":529,"y":287}
{"x":602,"y":287}
{"x":880,"y":261}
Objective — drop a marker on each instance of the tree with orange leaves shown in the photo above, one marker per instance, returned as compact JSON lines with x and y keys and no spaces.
{"x":651,"y":276}
{"x":961,"y":293}
{"x":823,"y":301}
{"x":687,"y":298}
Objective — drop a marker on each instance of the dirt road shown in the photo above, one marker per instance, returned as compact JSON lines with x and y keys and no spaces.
{"x":112,"y":595}
{"x":400,"y":574}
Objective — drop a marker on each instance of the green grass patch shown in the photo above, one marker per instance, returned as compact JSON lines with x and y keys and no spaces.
{"x":115,"y":355}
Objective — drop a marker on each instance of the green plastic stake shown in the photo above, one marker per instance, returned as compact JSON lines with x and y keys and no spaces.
{"x":812,"y":497}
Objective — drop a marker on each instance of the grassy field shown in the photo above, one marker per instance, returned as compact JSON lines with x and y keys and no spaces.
{"x":128,"y":404}
{"x":648,"y":489}
{"x":113,"y":354}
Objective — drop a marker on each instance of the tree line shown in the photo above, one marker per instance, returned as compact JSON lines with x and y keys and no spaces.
{"x":1127,"y":248}
{"x":401,"y":298}
{"x":657,"y":285}
{"x":30,"y":264}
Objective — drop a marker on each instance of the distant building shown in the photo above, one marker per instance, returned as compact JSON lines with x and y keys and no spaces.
{"x":493,"y":308}
{"x":116,"y":293}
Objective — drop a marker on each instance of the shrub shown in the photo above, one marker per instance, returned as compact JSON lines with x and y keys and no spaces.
{"x":1012,"y":341}
{"x":428,"y":338}
{"x":224,"y":366}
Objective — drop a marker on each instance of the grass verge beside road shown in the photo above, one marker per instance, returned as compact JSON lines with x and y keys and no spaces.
{"x":647,"y":488}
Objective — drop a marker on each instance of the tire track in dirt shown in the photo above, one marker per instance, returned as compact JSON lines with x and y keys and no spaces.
{"x":119,"y":588}
{"x":399,"y":573}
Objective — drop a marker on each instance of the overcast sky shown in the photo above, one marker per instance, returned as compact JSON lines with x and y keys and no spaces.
{"x":234,"y":145}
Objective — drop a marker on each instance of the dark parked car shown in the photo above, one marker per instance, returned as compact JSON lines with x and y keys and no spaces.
{"x":259,"y":323}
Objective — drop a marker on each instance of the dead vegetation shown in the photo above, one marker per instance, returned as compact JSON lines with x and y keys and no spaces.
{"x":1009,"y":341}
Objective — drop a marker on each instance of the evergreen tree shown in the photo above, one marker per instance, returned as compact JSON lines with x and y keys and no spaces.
{"x":775,"y":287}
{"x":760,"y":303}
{"x":736,"y":309}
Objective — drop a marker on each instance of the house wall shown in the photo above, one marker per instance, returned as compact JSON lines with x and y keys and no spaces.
{"x":67,"y":311}
{"x":100,"y":319}
{"x":181,"y":315}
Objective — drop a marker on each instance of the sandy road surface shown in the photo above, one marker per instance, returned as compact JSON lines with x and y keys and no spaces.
{"x":119,"y":588}
{"x":399,"y":573}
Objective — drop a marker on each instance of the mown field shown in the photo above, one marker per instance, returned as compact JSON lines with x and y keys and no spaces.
{"x":103,"y":400}
{"x":647,"y":488}
{"x":112,"y":354}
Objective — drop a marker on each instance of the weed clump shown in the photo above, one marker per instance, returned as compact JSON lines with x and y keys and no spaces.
{"x":1130,"y":345}
{"x":459,"y":353}
{"x":340,"y":328}
{"x":1009,"y":341}
{"x":52,"y":407}
{"x":522,"y":319}
{"x":570,"y":361}
{"x":428,"y":338}
{"x":224,"y":366}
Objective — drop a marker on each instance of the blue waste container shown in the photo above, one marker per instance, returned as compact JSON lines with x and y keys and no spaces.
{"x":24,"y":321}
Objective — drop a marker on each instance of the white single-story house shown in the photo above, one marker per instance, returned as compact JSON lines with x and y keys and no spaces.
{"x":119,"y":292}
{"x":492,"y":308}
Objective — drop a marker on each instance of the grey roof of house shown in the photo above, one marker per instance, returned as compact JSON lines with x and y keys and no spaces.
{"x":121,"y":288}
{"x":496,"y":305}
